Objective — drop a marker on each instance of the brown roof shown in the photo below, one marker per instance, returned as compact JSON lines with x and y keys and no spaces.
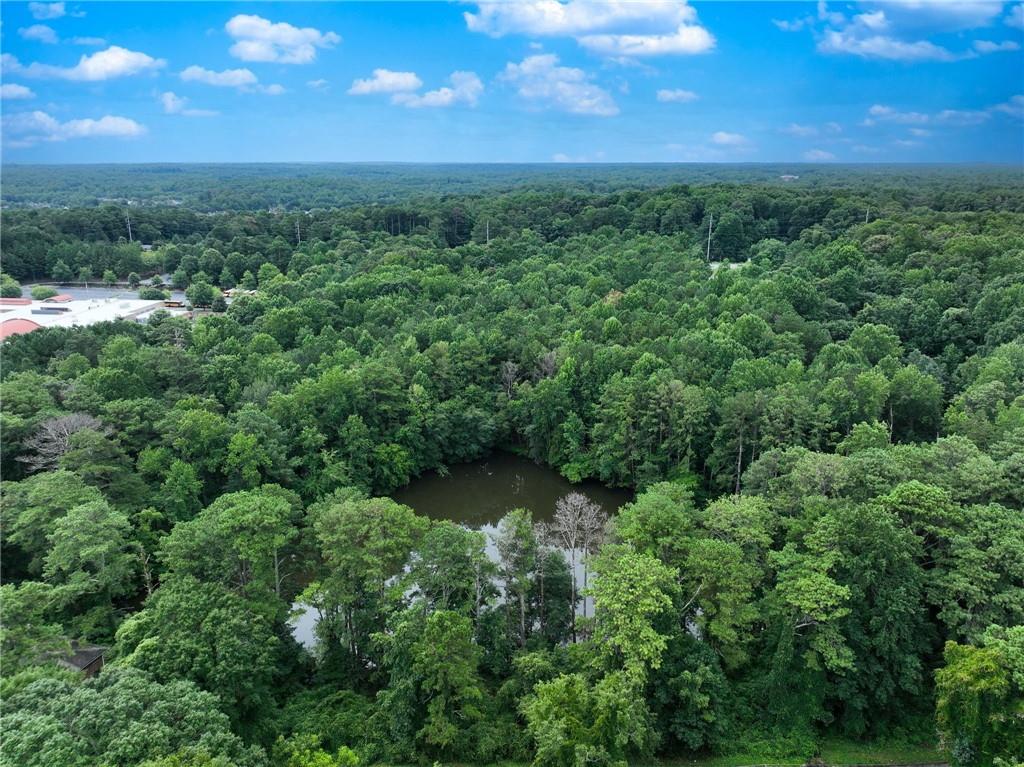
{"x":15,"y":301}
{"x":81,"y":656}
{"x":17,"y":326}
{"x":59,"y":299}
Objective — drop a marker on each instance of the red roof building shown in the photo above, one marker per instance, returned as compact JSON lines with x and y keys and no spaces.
{"x":17,"y":326}
{"x":63,"y":298}
{"x":15,"y":301}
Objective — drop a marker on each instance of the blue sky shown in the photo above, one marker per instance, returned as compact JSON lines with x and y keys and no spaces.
{"x":908,"y":81}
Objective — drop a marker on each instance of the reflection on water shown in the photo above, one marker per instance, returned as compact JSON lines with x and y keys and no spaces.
{"x":478,"y":495}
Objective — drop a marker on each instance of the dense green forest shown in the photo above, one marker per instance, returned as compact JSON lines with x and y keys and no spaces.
{"x":824,"y":427}
{"x":304,"y":186}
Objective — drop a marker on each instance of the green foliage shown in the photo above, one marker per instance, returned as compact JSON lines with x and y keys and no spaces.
{"x":630,"y":591}
{"x":150,"y":293}
{"x":305,"y":751}
{"x":980,"y":699}
{"x":9,"y":287}
{"x":574,"y":722}
{"x":120,"y":718}
{"x":41,"y":292}
{"x":826,"y":444}
{"x":205,"y":634}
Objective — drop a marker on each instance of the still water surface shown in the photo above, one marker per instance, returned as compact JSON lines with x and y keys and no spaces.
{"x":479,"y":494}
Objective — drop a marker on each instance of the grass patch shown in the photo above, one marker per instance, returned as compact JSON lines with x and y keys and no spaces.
{"x":834,"y":751}
{"x":847,"y":752}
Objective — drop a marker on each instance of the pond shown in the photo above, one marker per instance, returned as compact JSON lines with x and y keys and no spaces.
{"x":479,"y":494}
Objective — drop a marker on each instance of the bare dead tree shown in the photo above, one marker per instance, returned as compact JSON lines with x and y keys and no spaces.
{"x":509,"y":376}
{"x":546,"y":365}
{"x":572,"y":512}
{"x":53,"y":439}
{"x":595,"y":523}
{"x":145,"y":561}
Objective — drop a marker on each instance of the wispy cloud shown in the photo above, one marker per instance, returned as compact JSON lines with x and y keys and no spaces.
{"x":228,"y":78}
{"x":818,"y":155}
{"x":13,"y":91}
{"x":676,"y":95}
{"x":880,"y":113}
{"x":45,"y":11}
{"x":1015,"y":18}
{"x":801,"y":131}
{"x":725,"y":138}
{"x":39,"y":33}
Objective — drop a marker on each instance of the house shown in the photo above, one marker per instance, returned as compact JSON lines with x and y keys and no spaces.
{"x":61,"y":298}
{"x":86,"y":658}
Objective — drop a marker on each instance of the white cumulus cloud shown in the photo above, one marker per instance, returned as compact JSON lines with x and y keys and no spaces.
{"x":613,"y":28}
{"x":465,"y":88}
{"x":15,"y":91}
{"x":258,"y":39}
{"x":385,"y":81}
{"x":676,"y":95}
{"x":228,"y":78}
{"x":541,"y":81}
{"x":178,"y":105}
{"x":28,"y":128}
{"x":900,"y":31}
{"x":40,"y":33}
{"x":687,"y":39}
{"x":108,"y":64}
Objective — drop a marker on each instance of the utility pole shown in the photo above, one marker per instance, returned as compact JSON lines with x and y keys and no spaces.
{"x":488,"y":231}
{"x":867,"y":213}
{"x":711,"y":222}
{"x":298,"y":234}
{"x":128,"y":219}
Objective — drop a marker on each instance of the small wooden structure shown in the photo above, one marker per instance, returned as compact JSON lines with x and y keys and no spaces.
{"x":88,"y":659}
